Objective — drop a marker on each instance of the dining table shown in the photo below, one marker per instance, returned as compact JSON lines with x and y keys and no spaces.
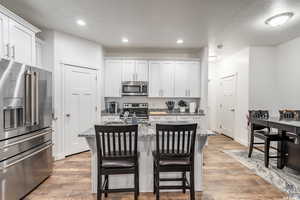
{"x":288,"y":152}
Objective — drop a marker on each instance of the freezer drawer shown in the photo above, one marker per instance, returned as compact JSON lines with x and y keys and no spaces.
{"x":21,"y":174}
{"x":14,"y":146}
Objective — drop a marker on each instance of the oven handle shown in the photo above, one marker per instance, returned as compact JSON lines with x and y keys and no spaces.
{"x":28,"y":156}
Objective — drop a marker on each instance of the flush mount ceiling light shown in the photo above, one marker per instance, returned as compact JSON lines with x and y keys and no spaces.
{"x":80,"y":22}
{"x":125,"y":40}
{"x":279,"y":19}
{"x":179,"y":41}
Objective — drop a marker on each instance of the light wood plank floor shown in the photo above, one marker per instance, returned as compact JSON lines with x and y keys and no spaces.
{"x":224,"y":178}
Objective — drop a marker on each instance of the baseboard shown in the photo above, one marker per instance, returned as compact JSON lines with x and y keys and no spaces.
{"x":242,"y":142}
{"x":59,"y":156}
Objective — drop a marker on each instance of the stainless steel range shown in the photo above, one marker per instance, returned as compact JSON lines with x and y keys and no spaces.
{"x":139,"y":109}
{"x":25,"y":128}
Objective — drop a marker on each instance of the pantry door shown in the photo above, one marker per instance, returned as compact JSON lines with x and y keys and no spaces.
{"x":79,"y":106}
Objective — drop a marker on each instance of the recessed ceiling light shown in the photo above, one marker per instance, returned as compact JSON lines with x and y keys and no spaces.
{"x":80,"y":22}
{"x":179,"y":41}
{"x":125,"y":40}
{"x":212,"y":58}
{"x":279,"y":19}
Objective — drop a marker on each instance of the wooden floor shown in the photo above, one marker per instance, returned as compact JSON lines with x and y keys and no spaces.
{"x":224,"y":178}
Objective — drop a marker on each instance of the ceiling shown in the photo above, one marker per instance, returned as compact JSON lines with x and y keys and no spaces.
{"x":159,"y":23}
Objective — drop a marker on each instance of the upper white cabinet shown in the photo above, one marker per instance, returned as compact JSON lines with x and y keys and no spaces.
{"x":17,"y":38}
{"x":113,"y":78}
{"x":22,"y":43}
{"x":161,"y":78}
{"x":4,"y":43}
{"x":39,"y":52}
{"x":135,"y":70}
{"x":187,"y":79}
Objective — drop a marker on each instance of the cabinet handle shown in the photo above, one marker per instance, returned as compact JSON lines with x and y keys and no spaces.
{"x":7,"y":51}
{"x":13,"y":52}
{"x":189,"y":92}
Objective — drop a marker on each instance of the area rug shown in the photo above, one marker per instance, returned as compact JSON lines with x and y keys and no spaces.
{"x":287,"y":180}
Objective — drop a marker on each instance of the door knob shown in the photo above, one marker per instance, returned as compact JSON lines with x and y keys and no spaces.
{"x":68,"y":115}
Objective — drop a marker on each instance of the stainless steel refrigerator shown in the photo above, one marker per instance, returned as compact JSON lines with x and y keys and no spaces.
{"x":25,"y":128}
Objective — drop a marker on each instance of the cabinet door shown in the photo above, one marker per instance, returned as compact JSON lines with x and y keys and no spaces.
{"x":113,"y":78}
{"x":22,"y":41}
{"x":141,"y":70}
{"x":167,"y":78}
{"x":4,"y":43}
{"x":39,"y":50}
{"x":194,"y":79}
{"x":128,"y":73}
{"x":182,"y":79}
{"x":155,"y":77}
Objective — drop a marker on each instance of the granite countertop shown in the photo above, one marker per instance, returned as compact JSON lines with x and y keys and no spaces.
{"x":175,"y":112}
{"x":147,"y":129}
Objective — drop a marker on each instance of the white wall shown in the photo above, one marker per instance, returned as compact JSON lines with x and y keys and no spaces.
{"x":236,"y":64}
{"x":288,"y":74}
{"x":263,"y":79}
{"x":68,"y":49}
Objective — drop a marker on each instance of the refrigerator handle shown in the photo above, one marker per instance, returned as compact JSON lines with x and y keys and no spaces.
{"x":28,"y":103}
{"x":33,"y":98}
{"x":36,"y":97}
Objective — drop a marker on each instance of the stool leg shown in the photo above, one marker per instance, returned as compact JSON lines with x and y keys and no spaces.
{"x":192,"y":184}
{"x":251,"y":142}
{"x":157,"y":182}
{"x":136,"y":183}
{"x":154,"y":178}
{"x":99,"y":185}
{"x":267,"y":149}
{"x":106,"y":185}
{"x":183,"y":182}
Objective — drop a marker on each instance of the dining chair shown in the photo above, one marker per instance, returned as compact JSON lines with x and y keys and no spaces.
{"x":263,"y":133}
{"x":117,"y":154}
{"x":175,"y":146}
{"x":293,"y":115}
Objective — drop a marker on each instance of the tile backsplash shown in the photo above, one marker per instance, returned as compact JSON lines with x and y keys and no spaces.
{"x":154,"y":103}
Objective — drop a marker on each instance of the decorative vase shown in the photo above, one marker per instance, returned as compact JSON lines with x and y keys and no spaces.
{"x":182,"y":109}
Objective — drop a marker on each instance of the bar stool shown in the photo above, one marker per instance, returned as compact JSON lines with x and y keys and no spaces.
{"x":117,"y":154}
{"x":264,"y":133}
{"x":175,"y":146}
{"x":293,"y":115}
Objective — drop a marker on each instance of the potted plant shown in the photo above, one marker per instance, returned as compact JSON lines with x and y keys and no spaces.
{"x":182,"y":106}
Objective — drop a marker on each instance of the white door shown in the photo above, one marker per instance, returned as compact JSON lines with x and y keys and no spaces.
{"x":167,"y":78}
{"x":227,"y":105}
{"x":79,"y":106}
{"x":142,"y":70}
{"x":155,"y":77}
{"x":128,"y":73}
{"x":181,"y":79}
{"x":194,"y":79}
{"x":4,"y":43}
{"x":22,"y":42}
{"x":113,"y":78}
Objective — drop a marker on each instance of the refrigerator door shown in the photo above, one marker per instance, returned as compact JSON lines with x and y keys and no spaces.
{"x":41,"y":98}
{"x":12,"y":99}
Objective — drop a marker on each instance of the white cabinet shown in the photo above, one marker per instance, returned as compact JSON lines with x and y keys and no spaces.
{"x":4,"y":43}
{"x":113,"y":78}
{"x":135,"y":70}
{"x":187,"y":79}
{"x":39,"y":52}
{"x":128,"y":73}
{"x":161,"y":79}
{"x":110,"y":118}
{"x":22,"y":43}
{"x":162,"y":118}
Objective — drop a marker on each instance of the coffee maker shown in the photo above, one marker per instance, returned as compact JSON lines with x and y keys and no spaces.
{"x":112,"y":107}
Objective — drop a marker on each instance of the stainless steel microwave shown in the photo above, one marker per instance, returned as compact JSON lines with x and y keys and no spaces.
{"x":135,"y":88}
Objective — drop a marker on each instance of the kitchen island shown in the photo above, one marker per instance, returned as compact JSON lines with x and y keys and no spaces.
{"x":146,"y":144}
